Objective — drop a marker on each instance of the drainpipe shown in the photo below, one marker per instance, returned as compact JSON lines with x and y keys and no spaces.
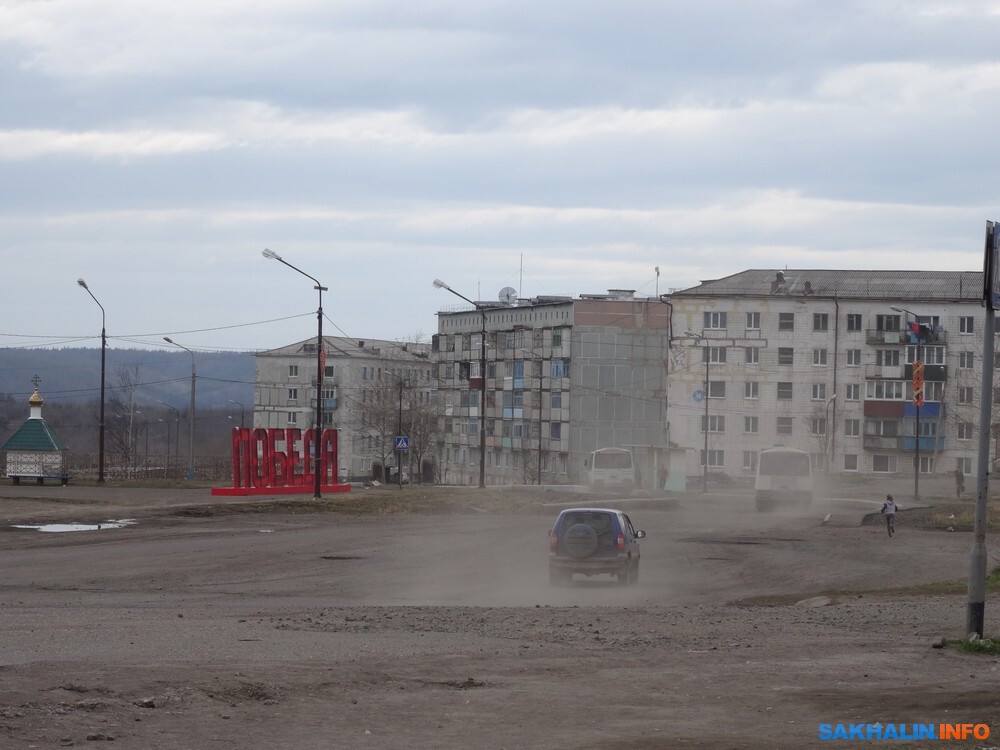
{"x":836,"y":359}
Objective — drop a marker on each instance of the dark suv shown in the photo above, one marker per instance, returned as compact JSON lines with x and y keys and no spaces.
{"x":592,"y":541}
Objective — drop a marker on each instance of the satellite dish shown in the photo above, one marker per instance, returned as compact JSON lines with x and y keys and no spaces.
{"x":508,"y":295}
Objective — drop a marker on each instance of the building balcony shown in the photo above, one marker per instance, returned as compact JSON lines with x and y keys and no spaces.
{"x":928,"y":444}
{"x":873,"y":408}
{"x":880,"y":443}
{"x":876,"y":337}
{"x":931,"y":372}
{"x":887,"y":372}
{"x":929,"y":410}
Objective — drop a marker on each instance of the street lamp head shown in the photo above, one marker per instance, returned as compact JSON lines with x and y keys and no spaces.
{"x":438,"y":284}
{"x":168,"y":339}
{"x":82,"y":283}
{"x":270,"y":254}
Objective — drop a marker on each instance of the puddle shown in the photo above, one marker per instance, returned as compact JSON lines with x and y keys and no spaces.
{"x":56,"y":528}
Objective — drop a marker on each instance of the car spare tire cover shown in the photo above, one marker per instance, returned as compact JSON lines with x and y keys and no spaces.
{"x":580,"y":540}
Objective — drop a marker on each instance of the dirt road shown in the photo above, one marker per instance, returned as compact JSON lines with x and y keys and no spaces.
{"x":321,"y":630}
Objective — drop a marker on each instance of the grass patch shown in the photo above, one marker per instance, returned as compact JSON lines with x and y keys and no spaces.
{"x":987,"y":646}
{"x":932,"y":588}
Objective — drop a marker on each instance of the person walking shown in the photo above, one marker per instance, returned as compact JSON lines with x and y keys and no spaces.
{"x":959,"y":483}
{"x":889,"y":511}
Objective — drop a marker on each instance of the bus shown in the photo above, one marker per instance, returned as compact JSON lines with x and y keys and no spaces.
{"x":783,"y":474}
{"x":611,"y":467}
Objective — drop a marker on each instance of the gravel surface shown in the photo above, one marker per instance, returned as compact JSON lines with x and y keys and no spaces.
{"x":274,"y":627}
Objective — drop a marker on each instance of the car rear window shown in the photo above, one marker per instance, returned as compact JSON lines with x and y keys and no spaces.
{"x":601,"y":523}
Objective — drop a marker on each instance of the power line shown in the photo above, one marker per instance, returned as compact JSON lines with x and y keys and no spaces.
{"x":159,"y":333}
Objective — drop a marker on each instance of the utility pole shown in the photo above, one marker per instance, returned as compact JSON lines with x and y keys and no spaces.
{"x":704,"y":469}
{"x":399,"y":431}
{"x":976,"y":606}
{"x":540,"y":372}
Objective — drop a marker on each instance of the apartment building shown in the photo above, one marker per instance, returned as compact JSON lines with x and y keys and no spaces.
{"x":823,"y":360}
{"x":564,"y":377}
{"x":362,"y":378}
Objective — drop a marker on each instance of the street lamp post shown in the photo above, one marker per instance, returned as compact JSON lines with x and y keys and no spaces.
{"x":916,"y":408}
{"x":104,"y":349}
{"x":194,"y":377}
{"x":242,"y":411}
{"x":317,"y":476}
{"x":482,"y":380}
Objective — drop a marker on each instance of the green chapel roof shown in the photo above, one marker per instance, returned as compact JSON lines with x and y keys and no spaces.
{"x":33,"y":435}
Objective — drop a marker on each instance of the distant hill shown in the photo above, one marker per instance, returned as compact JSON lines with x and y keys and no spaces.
{"x":74,"y":375}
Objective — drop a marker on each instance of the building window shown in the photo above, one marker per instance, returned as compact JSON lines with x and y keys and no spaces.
{"x":716,"y":355}
{"x":885,"y":390}
{"x":293,"y":394}
{"x":752,"y":354}
{"x":786,"y":321}
{"x":887,"y":357}
{"x":965,"y":394}
{"x":854,"y":324}
{"x":850,"y":462}
{"x":557,"y":337}
{"x":751,"y":389}
{"x":819,"y":357}
{"x":933,"y":390}
{"x":715,"y":458}
{"x":853,"y":391}
{"x":966,"y":360}
{"x":819,"y":391}
{"x":882,"y":427}
{"x":965,"y":465}
{"x":927,"y":464}
{"x":854,"y":358}
{"x":749,"y":460}
{"x":293,"y":371}
{"x":887,"y":323}
{"x":818,"y":425}
{"x":786,"y":355}
{"x":559,"y":368}
{"x":716,"y":423}
{"x":929,"y":355}
{"x":965,"y":430}
{"x":293,"y":417}
{"x":784,"y":391}
{"x":555,"y":431}
{"x":821,"y":322}
{"x":852,"y":427}
{"x":965,"y":324}
{"x":555,"y":399}
{"x":753,"y":321}
{"x":715,"y":321}
{"x":784,"y":426}
{"x":750,"y":424}
{"x":717,"y":389}
{"x":328,"y":371}
{"x":883,"y":464}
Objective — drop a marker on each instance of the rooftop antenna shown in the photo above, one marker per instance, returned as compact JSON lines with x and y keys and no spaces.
{"x":657,"y":269}
{"x":520,"y":278}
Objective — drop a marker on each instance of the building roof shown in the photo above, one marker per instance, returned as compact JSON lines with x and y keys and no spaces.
{"x":863,"y":284}
{"x":33,"y":435}
{"x":338,"y":347}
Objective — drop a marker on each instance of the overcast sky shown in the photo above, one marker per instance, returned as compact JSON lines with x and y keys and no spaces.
{"x":154,"y":148}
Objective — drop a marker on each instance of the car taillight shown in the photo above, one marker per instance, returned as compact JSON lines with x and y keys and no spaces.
{"x":620,"y":542}
{"x":553,"y":542}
